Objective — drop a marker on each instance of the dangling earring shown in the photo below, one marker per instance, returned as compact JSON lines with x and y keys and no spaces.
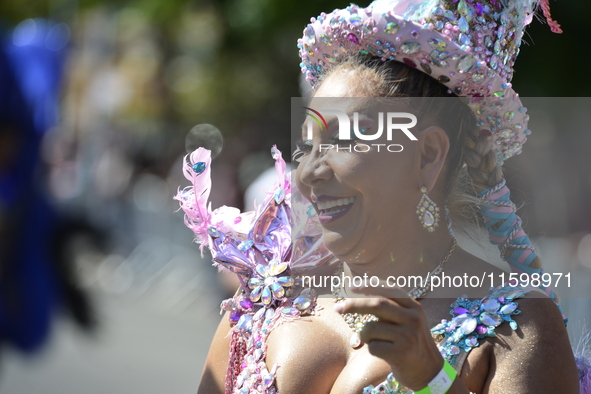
{"x":428,"y":211}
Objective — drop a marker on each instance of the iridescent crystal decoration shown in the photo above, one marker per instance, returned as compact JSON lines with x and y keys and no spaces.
{"x":437,"y":44}
{"x":309,"y":32}
{"x":213,"y":232}
{"x":279,"y":195}
{"x":490,"y":319}
{"x":499,"y":95}
{"x":408,"y":48}
{"x":463,"y":25}
{"x":506,"y":133}
{"x":334,"y":23}
{"x":302,"y":303}
{"x":244,"y":323}
{"x":477,"y":319}
{"x":508,"y":308}
{"x":465,"y":64}
{"x":466,"y":323}
{"x":490,"y":304}
{"x":368,"y":27}
{"x":478,"y":76}
{"x":427,"y":211}
{"x":290,"y":311}
{"x":427,"y":68}
{"x":391,"y":28}
{"x":269,"y":285}
{"x":353,"y":38}
{"x":355,"y":340}
{"x":199,"y":167}
{"x":355,"y":20}
{"x":245,"y":245}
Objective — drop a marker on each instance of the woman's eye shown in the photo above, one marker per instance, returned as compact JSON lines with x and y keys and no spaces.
{"x":302,"y":147}
{"x":363,"y":129}
{"x":335,"y":140}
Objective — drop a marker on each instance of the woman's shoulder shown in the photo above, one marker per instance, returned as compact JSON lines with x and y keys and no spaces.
{"x":539,"y":330}
{"x":530,"y":348}
{"x":508,"y":311}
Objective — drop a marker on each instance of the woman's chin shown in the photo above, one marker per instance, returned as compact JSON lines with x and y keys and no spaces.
{"x":340,"y":246}
{"x":344,"y":248}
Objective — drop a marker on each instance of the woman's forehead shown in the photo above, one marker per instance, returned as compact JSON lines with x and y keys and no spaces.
{"x":341,"y":103}
{"x":363,"y":106}
{"x":323,"y":113}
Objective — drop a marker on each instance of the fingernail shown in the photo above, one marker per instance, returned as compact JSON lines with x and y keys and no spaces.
{"x":339,"y":307}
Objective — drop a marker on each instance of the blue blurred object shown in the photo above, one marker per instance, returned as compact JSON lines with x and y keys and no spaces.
{"x":32,"y":58}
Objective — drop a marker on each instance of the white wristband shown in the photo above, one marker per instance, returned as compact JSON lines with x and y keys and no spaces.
{"x":441,"y":383}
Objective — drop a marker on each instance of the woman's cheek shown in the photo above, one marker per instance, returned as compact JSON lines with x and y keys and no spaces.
{"x":302,"y":188}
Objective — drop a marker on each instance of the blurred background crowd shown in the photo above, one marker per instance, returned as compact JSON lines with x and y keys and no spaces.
{"x":101,"y":288}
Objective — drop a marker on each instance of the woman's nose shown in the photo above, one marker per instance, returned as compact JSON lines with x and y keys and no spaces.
{"x":314,"y":170}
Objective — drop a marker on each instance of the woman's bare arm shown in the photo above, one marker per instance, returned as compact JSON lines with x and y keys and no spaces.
{"x":214,"y":373}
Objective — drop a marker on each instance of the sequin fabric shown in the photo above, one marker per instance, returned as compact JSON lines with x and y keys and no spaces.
{"x":470,"y":322}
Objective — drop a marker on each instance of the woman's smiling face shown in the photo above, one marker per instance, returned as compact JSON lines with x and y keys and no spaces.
{"x":363,"y":198}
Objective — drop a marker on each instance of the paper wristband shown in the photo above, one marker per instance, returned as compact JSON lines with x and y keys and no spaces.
{"x":442,"y":382}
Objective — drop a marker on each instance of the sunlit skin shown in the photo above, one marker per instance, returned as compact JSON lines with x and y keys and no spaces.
{"x":381,"y":235}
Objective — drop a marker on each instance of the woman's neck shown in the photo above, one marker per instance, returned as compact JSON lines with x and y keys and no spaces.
{"x":411,"y":255}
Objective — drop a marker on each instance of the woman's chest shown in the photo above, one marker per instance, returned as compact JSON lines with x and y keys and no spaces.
{"x":314,"y":355}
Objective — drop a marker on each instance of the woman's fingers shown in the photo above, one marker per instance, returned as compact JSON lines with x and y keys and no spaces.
{"x":380,"y":331}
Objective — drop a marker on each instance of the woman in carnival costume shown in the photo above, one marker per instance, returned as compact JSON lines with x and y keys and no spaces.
{"x":379,"y":214}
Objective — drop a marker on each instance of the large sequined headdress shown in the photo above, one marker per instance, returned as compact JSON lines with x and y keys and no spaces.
{"x":470,"y":46}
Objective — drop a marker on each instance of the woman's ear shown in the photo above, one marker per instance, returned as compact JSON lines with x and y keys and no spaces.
{"x":433,"y":146}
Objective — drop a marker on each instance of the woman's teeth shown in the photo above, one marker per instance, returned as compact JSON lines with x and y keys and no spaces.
{"x":331,"y":207}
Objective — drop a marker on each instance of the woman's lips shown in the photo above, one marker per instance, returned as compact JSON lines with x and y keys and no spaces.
{"x":332,"y":208}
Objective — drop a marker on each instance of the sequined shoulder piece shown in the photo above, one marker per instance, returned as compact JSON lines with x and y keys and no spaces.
{"x":474,"y":320}
{"x":471,"y":321}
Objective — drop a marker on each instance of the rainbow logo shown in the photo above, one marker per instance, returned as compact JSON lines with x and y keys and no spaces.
{"x":317,"y":117}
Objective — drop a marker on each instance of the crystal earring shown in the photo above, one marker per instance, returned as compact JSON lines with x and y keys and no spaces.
{"x":428,"y":211}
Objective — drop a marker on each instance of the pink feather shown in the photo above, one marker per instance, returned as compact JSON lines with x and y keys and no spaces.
{"x":193,"y":199}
